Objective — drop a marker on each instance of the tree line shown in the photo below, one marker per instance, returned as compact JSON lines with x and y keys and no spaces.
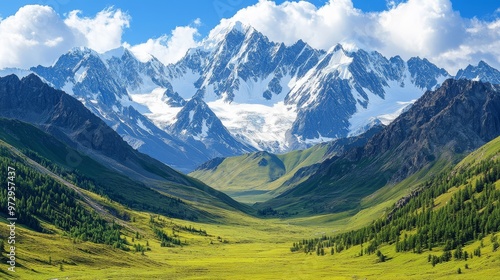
{"x":40,"y":198}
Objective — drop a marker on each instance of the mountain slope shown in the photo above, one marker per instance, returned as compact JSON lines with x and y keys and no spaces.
{"x":32,"y":101}
{"x":444,"y":124}
{"x":454,"y":210}
{"x":198,"y":125}
{"x":126,"y":93}
{"x":347,"y":92}
{"x":55,"y":155}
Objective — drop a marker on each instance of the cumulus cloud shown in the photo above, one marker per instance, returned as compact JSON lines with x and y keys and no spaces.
{"x":38,"y":35}
{"x":103,"y":32}
{"x":168,"y":49}
{"x":33,"y":34}
{"x":291,"y":21}
{"x":426,"y":28}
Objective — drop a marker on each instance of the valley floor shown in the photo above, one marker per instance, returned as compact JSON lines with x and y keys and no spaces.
{"x":242,"y":248}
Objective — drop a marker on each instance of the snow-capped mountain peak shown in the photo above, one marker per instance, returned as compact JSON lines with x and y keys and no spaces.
{"x":196,"y":121}
{"x":224,"y":30}
{"x":482,"y":71}
{"x":346,"y":91}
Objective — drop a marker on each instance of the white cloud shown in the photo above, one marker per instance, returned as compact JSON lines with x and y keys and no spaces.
{"x":419,"y":27}
{"x":33,"y":35}
{"x":291,"y":21}
{"x":104,"y":31}
{"x":38,"y":35}
{"x":425,"y":28}
{"x":168,"y":49}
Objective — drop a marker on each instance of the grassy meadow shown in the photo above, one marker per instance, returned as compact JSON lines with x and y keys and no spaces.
{"x":240,"y":247}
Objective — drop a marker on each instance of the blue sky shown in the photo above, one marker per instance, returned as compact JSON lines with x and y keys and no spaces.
{"x":153,"y":18}
{"x":451,"y":34}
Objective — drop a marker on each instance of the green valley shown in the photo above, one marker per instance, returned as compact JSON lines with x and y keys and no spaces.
{"x":257,"y":176}
{"x":238,"y":245}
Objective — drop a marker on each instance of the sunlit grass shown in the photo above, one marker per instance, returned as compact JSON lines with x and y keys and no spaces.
{"x":253,"y":249}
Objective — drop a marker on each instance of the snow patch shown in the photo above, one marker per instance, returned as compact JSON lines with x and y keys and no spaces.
{"x":314,"y":141}
{"x":152,"y":106}
{"x":132,"y":141}
{"x":143,"y":127}
{"x":80,"y":74}
{"x":191,"y":115}
{"x":387,"y":109}
{"x":339,"y":62}
{"x":263,"y":127}
{"x":204,"y":131}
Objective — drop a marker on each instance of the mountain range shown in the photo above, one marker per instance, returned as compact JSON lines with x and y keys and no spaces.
{"x":239,"y":92}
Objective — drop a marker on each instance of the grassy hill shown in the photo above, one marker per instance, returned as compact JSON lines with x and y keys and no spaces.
{"x":158,"y":188}
{"x":257,"y":176}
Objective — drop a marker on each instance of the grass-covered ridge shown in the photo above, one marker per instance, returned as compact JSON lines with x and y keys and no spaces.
{"x":258,"y":176}
{"x":88,"y":173}
{"x":157,"y":189}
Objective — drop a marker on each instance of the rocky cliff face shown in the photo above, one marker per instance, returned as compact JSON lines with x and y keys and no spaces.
{"x":458,"y":117}
{"x":197,"y":123}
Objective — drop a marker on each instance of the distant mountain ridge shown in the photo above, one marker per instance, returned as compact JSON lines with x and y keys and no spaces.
{"x":102,"y":88}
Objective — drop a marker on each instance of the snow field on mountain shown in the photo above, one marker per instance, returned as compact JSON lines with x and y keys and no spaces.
{"x":259,"y":125}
